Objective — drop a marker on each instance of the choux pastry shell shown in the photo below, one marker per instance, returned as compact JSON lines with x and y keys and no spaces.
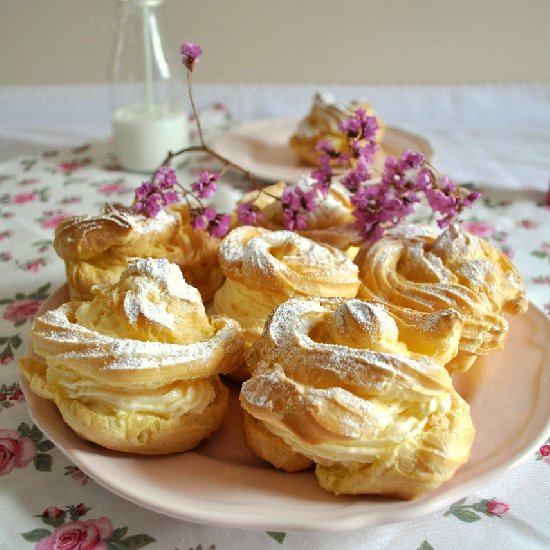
{"x":136,"y":369}
{"x":415,"y":269}
{"x":264,"y":268}
{"x":96,"y":249}
{"x":335,"y":381}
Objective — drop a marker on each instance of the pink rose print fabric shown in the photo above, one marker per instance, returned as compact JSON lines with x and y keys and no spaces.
{"x":16,"y":451}
{"x":80,"y":535}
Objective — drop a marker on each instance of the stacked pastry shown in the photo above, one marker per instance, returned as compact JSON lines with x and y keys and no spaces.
{"x":416,"y":271}
{"x":322,"y":123}
{"x":96,"y":249}
{"x":136,"y":369}
{"x":332,"y":222}
{"x":334,"y":383}
{"x":264,"y":268}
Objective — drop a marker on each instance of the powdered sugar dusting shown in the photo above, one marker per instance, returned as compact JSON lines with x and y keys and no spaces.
{"x":154,"y":283}
{"x":286,"y":254}
{"x":79,"y":347}
{"x":166,"y":275}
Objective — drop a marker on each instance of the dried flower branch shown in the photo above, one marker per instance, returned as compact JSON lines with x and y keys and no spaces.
{"x":379,"y":202}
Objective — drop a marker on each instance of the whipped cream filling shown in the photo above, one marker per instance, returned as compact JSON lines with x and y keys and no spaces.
{"x":172,"y":400}
{"x":392,"y":424}
{"x":247,"y":306}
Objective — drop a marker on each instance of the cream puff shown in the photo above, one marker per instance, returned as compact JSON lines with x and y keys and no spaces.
{"x":264,"y":268}
{"x":136,"y":368}
{"x":417,"y":271}
{"x":335,"y":384}
{"x":96,"y":249}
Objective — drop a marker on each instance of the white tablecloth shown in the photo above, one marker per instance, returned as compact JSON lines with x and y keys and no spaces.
{"x":495,"y":137}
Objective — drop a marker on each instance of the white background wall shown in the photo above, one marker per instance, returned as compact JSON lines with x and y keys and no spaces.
{"x":293,"y":41}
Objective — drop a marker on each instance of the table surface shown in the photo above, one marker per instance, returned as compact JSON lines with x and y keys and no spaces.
{"x":56,"y":161}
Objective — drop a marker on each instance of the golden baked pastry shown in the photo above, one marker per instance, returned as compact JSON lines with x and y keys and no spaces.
{"x":336,"y":382}
{"x":415,"y":268}
{"x":136,"y":369}
{"x":332,"y":222}
{"x":322,"y":123}
{"x":96,"y":249}
{"x":264,"y":268}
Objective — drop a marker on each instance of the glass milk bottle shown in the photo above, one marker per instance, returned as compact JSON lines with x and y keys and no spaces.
{"x":148,"y":93}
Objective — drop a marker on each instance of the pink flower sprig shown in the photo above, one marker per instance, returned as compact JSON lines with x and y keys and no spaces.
{"x":151,"y":198}
{"x":209,"y":220}
{"x":249,"y":214}
{"x":205,"y":186}
{"x":190,"y":54}
{"x":378,"y":203}
{"x":387,"y":202}
{"x":164,"y":189}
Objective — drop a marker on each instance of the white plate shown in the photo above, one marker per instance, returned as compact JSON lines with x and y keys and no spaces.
{"x":222,"y":483}
{"x":261,"y":147}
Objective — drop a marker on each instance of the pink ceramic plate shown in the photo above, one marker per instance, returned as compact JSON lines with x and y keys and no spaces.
{"x":222,"y":483}
{"x":262,"y":148}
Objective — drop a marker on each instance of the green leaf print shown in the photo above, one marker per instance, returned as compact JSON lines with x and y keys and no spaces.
{"x":131,"y":543}
{"x":278,"y":536}
{"x":466,"y":515}
{"x":43,"y":462}
{"x":36,"y":534}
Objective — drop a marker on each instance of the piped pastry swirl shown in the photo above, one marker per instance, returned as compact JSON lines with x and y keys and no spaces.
{"x":96,"y":249}
{"x":335,"y":382}
{"x":136,"y":369}
{"x":264,"y":268}
{"x":415,"y":271}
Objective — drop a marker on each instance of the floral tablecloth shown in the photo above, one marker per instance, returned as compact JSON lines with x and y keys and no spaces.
{"x":45,"y":501}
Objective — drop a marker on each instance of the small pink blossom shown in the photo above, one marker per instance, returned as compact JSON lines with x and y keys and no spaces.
{"x":22,"y":198}
{"x":21,"y":311}
{"x":205,"y":186}
{"x":481,"y":229}
{"x":497,"y":508}
{"x":53,"y":221}
{"x":115,"y":187}
{"x":545,"y":450}
{"x":190,"y":54}
{"x":68,"y":167}
{"x":249,"y":214}
{"x":15,"y":451}
{"x":34,"y":265}
{"x":70,"y":200}
{"x":5,"y":359}
{"x":217,"y":225}
{"x":52,"y":512}
{"x":17,"y":396}
{"x":528,"y":224}
{"x":79,"y":535}
{"x":5,"y":235}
